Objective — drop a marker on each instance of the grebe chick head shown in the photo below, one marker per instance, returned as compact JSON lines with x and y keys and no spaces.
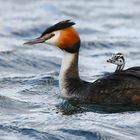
{"x":117,"y":59}
{"x":62,"y":35}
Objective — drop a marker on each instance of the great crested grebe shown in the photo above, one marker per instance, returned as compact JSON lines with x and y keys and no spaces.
{"x":117,"y":59}
{"x":117,"y":88}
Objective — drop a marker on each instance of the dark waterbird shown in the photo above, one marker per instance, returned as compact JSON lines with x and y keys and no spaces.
{"x":118,"y":88}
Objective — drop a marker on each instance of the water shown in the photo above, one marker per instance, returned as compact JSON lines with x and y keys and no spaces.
{"x":30,"y":103}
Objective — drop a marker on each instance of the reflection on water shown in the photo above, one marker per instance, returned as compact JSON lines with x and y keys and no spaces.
{"x":70,"y":107}
{"x":30,"y":102}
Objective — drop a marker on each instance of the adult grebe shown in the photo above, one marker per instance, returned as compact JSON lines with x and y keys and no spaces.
{"x":117,"y":88}
{"x":117,"y":59}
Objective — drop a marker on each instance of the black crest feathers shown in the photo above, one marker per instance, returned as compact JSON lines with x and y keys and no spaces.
{"x":58,"y":26}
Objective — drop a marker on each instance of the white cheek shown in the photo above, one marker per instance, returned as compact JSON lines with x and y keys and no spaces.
{"x":54,"y":39}
{"x":118,"y":63}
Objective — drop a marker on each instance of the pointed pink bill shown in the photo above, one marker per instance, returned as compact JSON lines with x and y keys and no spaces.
{"x":35,"y":41}
{"x":39,"y":39}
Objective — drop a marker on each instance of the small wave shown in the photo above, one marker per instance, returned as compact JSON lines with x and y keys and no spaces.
{"x":14,"y":106}
{"x":104,"y":44}
{"x":85,"y":134}
{"x":29,"y":80}
{"x":29,"y":133}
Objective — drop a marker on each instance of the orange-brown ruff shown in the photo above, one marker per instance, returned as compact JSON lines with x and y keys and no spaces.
{"x":121,"y":87}
{"x":68,"y":37}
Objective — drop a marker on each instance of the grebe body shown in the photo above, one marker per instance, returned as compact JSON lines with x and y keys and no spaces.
{"x":122,"y":87}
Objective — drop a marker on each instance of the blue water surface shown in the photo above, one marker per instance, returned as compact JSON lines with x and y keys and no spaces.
{"x":30,"y":104}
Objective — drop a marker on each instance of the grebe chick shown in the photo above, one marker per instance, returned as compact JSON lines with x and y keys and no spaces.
{"x":117,"y":59}
{"x":117,"y":88}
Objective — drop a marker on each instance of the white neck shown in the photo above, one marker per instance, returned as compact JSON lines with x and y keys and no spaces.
{"x":69,"y":70}
{"x":120,"y":67}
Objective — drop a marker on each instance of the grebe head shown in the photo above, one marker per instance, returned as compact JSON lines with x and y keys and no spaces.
{"x":62,"y":35}
{"x":117,"y":59}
